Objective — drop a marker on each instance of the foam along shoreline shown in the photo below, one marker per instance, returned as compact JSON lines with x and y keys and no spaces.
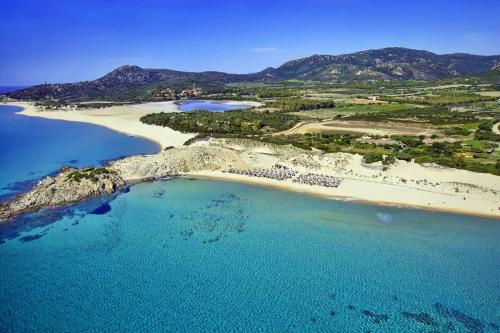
{"x":395,"y":197}
{"x":122,"y":118}
{"x":404,"y":183}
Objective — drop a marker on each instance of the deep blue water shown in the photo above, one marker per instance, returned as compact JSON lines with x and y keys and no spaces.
{"x":212,"y":106}
{"x":210,"y":256}
{"x":31,"y":148}
{"x":4,"y":89}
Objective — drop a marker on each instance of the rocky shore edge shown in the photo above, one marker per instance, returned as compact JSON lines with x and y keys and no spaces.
{"x":72,"y":185}
{"x":69,"y":186}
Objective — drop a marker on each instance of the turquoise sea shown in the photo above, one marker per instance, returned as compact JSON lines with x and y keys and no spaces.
{"x":31,"y":148}
{"x":189,"y":255}
{"x":209,"y":256}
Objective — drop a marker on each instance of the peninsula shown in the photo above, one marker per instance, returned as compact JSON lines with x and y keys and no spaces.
{"x":403,"y":129}
{"x":286,"y":167}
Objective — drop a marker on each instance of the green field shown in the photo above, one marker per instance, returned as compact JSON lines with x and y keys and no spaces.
{"x":352,"y":109}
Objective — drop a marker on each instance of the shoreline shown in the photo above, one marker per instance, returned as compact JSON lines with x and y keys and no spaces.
{"x":404,"y":184}
{"x":124,"y":119}
{"x":30,"y":113}
{"x":285,"y":187}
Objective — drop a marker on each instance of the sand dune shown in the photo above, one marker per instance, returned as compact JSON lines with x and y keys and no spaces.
{"x":404,"y":183}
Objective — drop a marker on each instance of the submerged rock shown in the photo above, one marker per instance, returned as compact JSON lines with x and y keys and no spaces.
{"x":472,"y":324}
{"x":30,"y":238}
{"x":422,"y":317}
{"x":377,"y":318}
{"x":101,"y":210}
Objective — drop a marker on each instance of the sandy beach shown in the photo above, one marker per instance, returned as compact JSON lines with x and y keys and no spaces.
{"x":371,"y":192}
{"x":404,"y":183}
{"x":123,"y":118}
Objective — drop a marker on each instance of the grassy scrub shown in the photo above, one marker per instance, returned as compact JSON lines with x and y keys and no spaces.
{"x":350,"y":109}
{"x":458,"y":155}
{"x":300,"y":104}
{"x":429,"y":115}
{"x":441,"y":99}
{"x":230,"y":123}
{"x":87,"y":173}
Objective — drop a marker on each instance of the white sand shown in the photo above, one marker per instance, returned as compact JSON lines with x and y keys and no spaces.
{"x":378,"y":193}
{"x":123,"y":118}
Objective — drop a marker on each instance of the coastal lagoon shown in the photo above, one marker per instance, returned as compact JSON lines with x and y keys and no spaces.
{"x":32,"y":147}
{"x":191,"y":255}
{"x":212,"y":106}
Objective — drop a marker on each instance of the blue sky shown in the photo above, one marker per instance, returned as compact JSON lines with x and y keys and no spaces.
{"x":72,"y":40}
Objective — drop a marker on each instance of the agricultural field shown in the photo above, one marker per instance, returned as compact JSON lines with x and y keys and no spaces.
{"x":349,"y":109}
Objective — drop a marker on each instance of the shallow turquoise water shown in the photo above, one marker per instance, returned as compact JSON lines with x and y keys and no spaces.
{"x":199,"y":256}
{"x":31,"y":148}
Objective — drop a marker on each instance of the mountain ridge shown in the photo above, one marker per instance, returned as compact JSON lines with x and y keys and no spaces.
{"x":392,"y":63}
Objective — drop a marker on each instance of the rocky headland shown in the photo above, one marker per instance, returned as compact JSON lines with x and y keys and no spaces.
{"x":69,"y":186}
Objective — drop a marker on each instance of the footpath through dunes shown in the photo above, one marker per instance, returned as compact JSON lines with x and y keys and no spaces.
{"x":285,"y":167}
{"x":177,"y":161}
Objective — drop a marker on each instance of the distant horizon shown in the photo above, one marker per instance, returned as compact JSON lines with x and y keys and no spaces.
{"x":7,"y":88}
{"x":62,"y":41}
